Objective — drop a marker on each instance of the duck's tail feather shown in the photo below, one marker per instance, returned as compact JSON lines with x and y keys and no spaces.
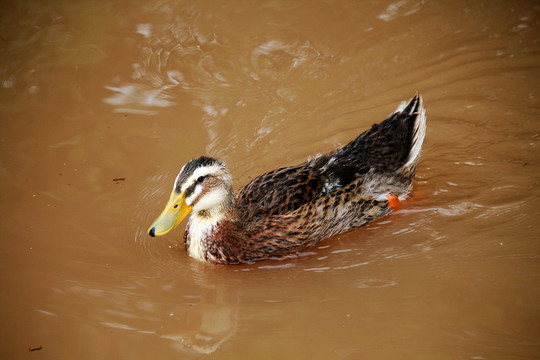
{"x":389,"y":149}
{"x":414,"y":107}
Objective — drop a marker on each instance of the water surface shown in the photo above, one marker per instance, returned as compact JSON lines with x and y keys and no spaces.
{"x":102,"y":103}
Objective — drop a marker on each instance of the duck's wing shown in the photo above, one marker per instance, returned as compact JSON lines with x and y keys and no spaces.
{"x":279,"y":191}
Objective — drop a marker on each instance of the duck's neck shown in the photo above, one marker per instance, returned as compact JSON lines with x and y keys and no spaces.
{"x":203,"y":230}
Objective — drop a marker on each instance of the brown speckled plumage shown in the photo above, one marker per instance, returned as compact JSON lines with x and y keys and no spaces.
{"x":290,"y":209}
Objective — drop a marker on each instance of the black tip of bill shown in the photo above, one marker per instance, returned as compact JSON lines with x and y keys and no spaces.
{"x":152,"y":231}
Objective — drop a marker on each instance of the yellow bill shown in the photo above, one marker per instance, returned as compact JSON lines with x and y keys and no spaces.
{"x":175,"y":211}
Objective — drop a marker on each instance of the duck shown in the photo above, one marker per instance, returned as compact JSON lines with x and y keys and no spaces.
{"x":285,"y":211}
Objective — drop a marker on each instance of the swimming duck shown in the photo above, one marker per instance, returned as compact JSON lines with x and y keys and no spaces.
{"x":290,"y":209}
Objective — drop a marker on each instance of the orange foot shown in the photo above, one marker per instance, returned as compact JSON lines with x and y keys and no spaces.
{"x":393,"y":201}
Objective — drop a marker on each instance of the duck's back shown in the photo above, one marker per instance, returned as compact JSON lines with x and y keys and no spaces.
{"x":388,"y":149}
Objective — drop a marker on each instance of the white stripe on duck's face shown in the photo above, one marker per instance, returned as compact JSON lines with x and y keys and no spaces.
{"x":206,"y":188}
{"x":198,"y":173}
{"x":215,"y":197}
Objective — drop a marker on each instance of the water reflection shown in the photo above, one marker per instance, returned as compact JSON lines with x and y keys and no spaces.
{"x":199,"y":307}
{"x":209,"y":318}
{"x":198,"y":323}
{"x":206,"y":325}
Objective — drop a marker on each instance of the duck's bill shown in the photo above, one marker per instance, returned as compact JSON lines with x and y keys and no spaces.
{"x":175,"y":211}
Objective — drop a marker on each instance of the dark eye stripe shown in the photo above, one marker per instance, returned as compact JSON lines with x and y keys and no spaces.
{"x":199,"y":181}
{"x":190,"y":190}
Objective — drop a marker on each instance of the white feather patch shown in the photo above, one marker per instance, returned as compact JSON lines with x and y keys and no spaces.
{"x":211,"y":199}
{"x":419,"y":135}
{"x":200,"y":228}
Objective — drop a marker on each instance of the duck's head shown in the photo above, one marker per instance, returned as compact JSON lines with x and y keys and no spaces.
{"x":204,"y":187}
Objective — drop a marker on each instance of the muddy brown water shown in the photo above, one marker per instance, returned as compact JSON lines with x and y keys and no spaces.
{"x":101,"y":103}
